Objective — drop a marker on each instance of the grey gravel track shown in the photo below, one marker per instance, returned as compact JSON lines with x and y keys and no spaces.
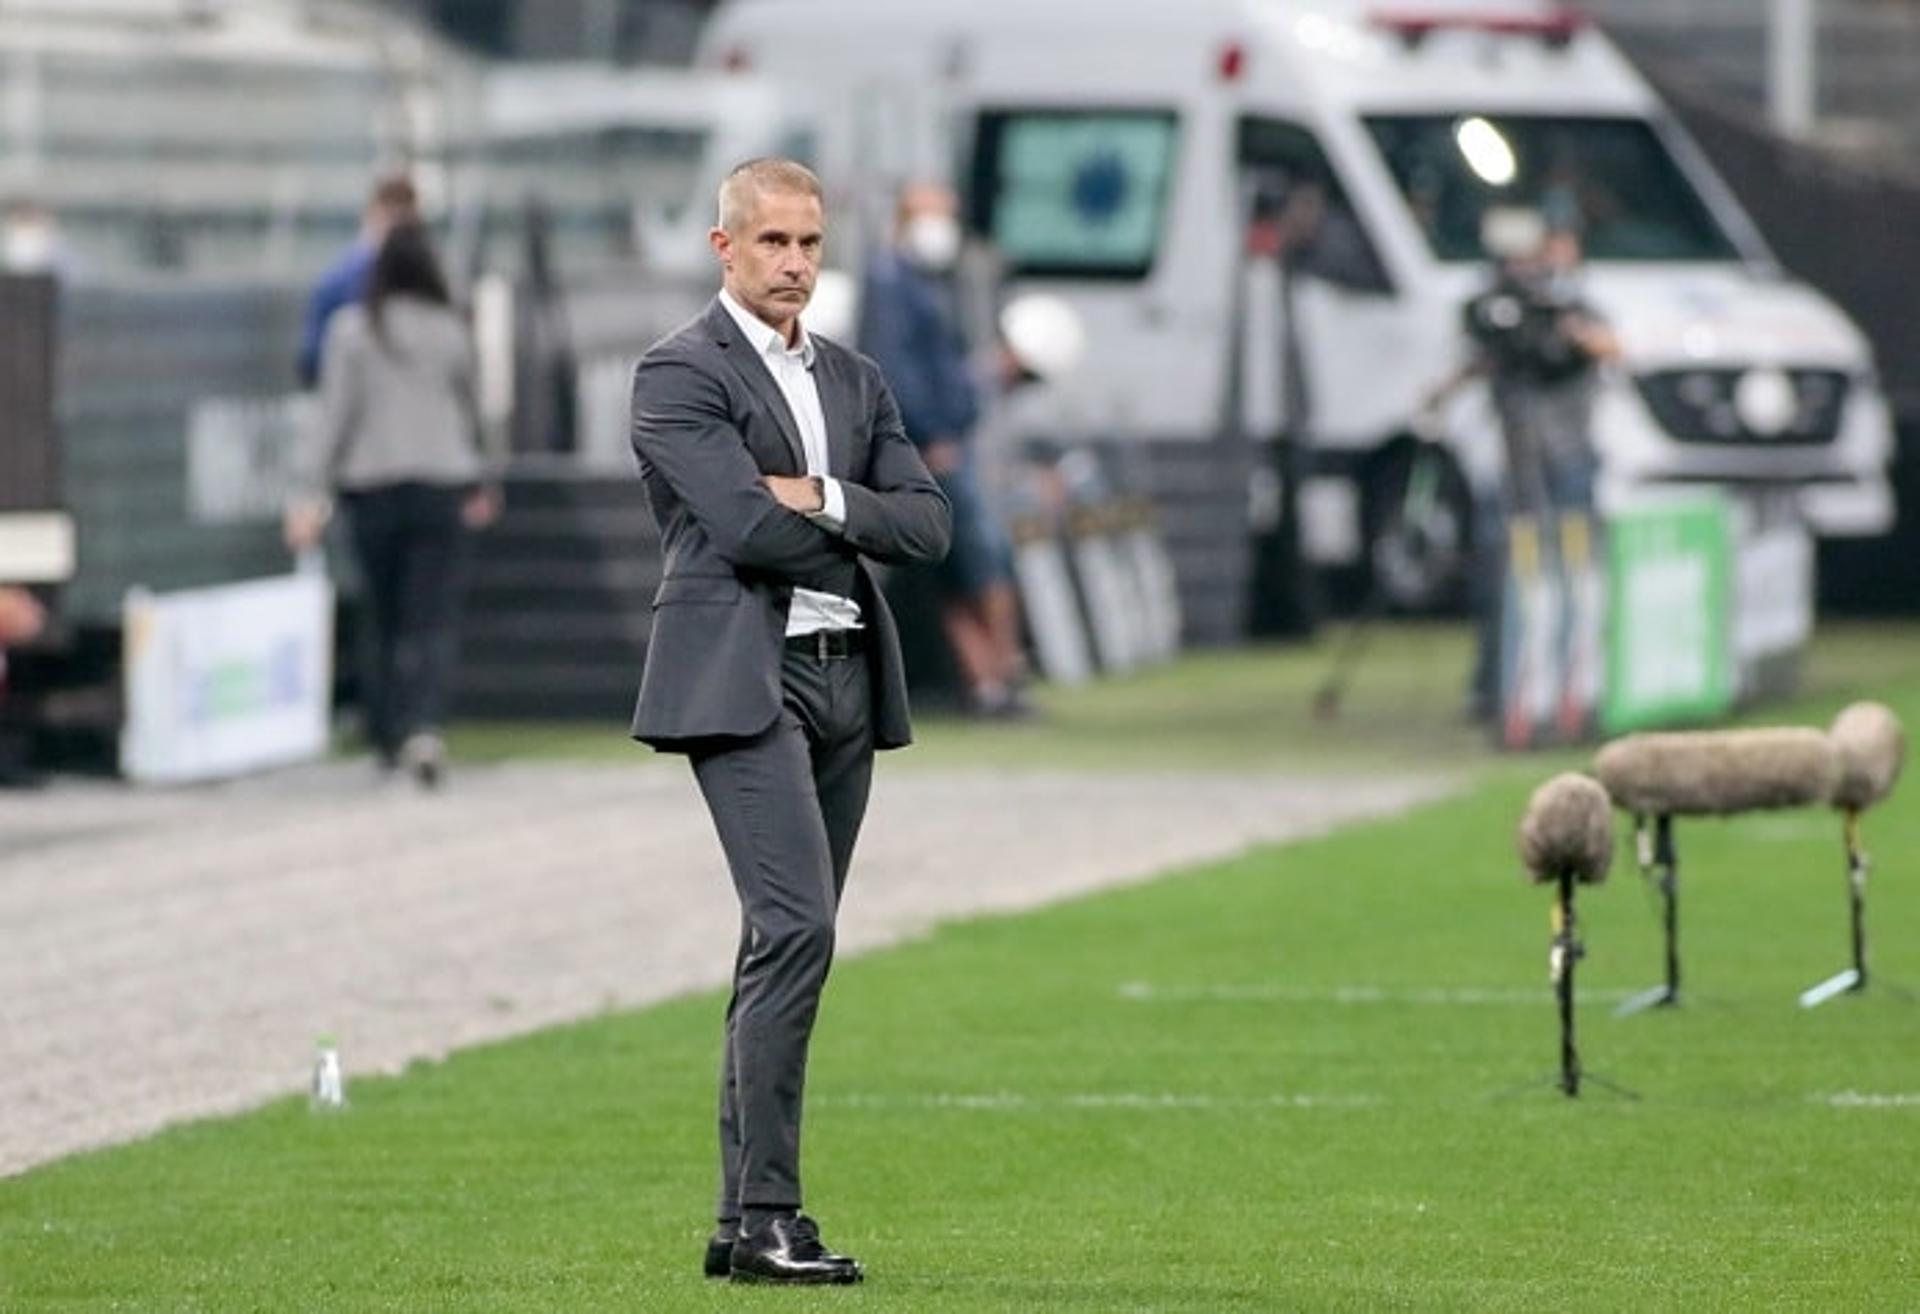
{"x":172,"y":955}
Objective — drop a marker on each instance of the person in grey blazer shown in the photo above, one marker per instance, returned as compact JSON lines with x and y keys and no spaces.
{"x":777,"y":468}
{"x":398,"y":435}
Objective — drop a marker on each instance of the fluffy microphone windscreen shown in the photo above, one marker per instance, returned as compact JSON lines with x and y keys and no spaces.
{"x":1872,"y":747}
{"x":1567,"y":827}
{"x":1718,"y":772}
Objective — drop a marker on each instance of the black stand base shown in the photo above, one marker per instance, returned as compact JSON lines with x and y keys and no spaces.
{"x":1589,"y":1079}
{"x":1563,"y":955}
{"x":1853,"y":982}
{"x":1854,"y":979}
{"x":1659,"y":996}
{"x":1849,"y":982}
{"x":1660,"y":864}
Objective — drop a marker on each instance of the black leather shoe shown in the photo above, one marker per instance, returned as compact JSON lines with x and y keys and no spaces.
{"x":789,"y":1250}
{"x":719,"y":1260}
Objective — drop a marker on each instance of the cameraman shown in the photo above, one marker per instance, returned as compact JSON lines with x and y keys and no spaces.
{"x":1539,"y":346}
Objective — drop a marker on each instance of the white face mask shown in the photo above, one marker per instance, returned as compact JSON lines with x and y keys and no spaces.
{"x":932,"y":241}
{"x":29,"y":247}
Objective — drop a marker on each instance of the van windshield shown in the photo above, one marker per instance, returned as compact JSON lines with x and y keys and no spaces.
{"x":1612,"y":177}
{"x":1073,"y":193}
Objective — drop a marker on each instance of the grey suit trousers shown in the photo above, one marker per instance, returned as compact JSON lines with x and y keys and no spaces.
{"x":787,"y":804}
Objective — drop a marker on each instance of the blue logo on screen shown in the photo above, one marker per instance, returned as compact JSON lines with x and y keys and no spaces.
{"x":250,"y":686}
{"x":1100,"y":187}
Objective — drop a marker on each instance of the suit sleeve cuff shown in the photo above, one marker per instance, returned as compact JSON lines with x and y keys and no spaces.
{"x":833,"y":513}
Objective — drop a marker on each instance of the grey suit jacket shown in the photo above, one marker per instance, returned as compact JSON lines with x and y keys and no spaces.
{"x":708,"y":422}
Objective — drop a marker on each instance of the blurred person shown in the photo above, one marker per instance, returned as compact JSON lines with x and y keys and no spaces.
{"x":776,"y":466}
{"x":21,"y":618}
{"x":394,"y":202}
{"x":31,"y":242}
{"x":1539,"y":344}
{"x":1291,"y":225}
{"x":399,"y":436}
{"x":910,"y":326}
{"x":21,"y":621}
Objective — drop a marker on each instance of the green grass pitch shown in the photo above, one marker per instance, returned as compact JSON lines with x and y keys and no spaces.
{"x":1308,"y":1078}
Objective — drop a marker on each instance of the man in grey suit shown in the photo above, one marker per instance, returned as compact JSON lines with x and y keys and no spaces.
{"x":777,"y":467}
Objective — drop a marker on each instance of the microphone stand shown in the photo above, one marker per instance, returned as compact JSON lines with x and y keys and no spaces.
{"x":1564,"y":951}
{"x":1854,"y":979}
{"x":1660,"y":864}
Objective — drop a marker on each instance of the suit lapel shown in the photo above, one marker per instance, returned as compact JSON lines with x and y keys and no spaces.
{"x":744,"y":361}
{"x":836,"y":408}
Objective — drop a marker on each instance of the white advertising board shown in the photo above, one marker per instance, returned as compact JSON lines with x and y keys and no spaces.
{"x":225,"y":680}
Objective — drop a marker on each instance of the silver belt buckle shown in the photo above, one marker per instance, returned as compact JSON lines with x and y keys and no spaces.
{"x":823,"y":643}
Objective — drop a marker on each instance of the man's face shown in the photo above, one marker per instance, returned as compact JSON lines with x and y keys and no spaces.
{"x":771,"y":263}
{"x":1561,"y":252}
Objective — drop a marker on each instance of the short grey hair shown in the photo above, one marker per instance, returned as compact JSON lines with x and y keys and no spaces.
{"x":743,"y":186}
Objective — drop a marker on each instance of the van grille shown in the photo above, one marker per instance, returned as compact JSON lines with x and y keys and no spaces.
{"x":1698,"y":406}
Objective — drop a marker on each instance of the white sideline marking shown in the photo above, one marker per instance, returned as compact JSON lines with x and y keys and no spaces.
{"x":1147,"y":993}
{"x":1853,"y":1099}
{"x":1013,"y":1101}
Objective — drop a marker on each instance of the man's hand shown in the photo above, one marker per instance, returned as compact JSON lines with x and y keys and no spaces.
{"x":1593,"y":337}
{"x":304,"y":522}
{"x":480,"y":508}
{"x":943,"y":456}
{"x":803,"y":494}
{"x":21,"y":616}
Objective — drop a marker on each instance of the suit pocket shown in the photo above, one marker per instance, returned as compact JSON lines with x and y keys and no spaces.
{"x":713,"y":590}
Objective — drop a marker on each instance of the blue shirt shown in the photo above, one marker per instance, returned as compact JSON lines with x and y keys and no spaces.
{"x":909,"y":326}
{"x":344,"y":283}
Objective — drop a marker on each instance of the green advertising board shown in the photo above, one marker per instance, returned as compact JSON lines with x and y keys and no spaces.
{"x":1670,"y":650}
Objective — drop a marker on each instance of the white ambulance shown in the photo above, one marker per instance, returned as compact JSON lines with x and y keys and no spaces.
{"x":1107,"y":149}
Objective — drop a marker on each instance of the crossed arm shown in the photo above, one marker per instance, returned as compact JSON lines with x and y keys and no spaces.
{"x":897,"y":514}
{"x":758,"y":523}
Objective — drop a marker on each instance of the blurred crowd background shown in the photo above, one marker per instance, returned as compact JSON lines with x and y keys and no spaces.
{"x":1212,"y":402}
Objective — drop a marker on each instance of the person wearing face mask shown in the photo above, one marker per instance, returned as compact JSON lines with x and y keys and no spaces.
{"x":910,"y":326}
{"x":31,"y":242}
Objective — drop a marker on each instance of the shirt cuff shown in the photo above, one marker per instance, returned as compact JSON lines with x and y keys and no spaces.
{"x":833,"y":511}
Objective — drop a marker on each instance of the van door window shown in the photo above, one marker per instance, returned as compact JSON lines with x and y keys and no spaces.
{"x":1611,"y":178}
{"x":1073,"y":194}
{"x":1278,"y":158}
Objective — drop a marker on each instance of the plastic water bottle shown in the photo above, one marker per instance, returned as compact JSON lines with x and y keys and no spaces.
{"x":329,"y":1090}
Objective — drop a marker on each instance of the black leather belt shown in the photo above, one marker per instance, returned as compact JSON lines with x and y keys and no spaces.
{"x":828,"y":645}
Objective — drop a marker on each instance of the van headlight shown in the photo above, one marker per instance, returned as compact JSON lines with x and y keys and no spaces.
{"x":1766,"y":402}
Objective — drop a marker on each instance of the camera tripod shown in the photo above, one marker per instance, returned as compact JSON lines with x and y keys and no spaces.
{"x":1417,"y":515}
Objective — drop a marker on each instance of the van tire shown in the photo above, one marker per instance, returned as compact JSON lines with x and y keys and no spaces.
{"x":1418,"y":557}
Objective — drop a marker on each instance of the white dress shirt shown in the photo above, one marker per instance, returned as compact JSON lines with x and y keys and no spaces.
{"x":792,"y":370}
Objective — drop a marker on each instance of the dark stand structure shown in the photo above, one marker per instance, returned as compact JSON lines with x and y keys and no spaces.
{"x":1659,"y":864}
{"x":1854,"y":979}
{"x":1563,"y":955}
